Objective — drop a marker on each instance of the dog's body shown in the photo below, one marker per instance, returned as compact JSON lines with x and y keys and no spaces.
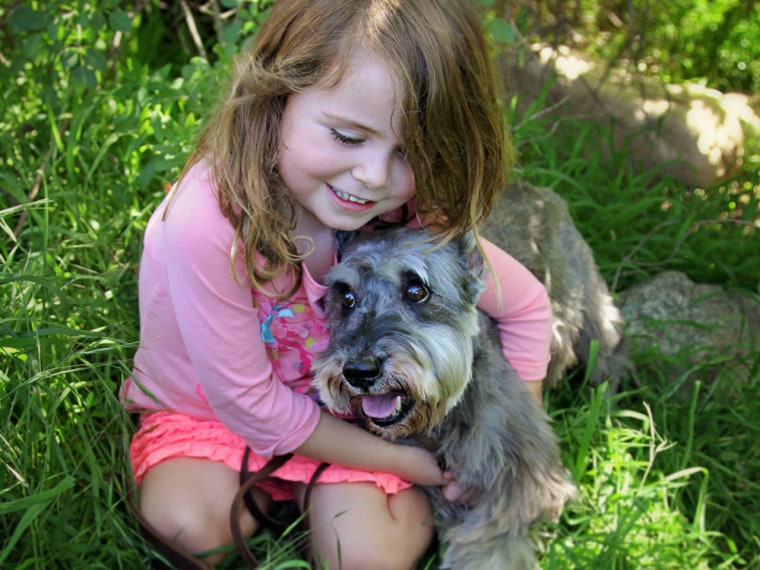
{"x":533,"y":225}
{"x":410,"y":354}
{"x":498,"y":441}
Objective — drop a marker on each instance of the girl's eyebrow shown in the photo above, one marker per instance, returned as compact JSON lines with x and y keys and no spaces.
{"x":350,"y":123}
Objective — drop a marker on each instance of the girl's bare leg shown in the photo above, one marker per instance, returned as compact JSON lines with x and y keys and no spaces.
{"x":358,"y":526}
{"x":188,"y":502}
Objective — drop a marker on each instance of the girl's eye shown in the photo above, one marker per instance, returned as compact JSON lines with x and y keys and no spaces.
{"x":344,"y":139}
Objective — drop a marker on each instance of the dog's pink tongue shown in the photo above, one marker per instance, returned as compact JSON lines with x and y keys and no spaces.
{"x":382,"y":406}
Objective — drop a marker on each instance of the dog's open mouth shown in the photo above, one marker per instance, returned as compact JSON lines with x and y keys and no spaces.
{"x":384,"y":410}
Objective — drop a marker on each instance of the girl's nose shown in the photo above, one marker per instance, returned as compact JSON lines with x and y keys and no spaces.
{"x":373,"y":170}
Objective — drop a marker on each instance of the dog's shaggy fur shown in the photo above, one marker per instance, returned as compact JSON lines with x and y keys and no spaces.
{"x":534,"y":225}
{"x":411,"y":355}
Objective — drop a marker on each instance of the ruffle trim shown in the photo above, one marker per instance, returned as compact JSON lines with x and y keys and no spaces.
{"x":166,"y":435}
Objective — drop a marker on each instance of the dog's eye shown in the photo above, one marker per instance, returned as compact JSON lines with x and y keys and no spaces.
{"x":348,"y":299}
{"x":416,"y":292}
{"x":341,"y":292}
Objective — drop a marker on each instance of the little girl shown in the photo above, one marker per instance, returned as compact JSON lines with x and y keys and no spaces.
{"x":344,"y":114}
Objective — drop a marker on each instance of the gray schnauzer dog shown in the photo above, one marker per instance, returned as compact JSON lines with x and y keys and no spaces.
{"x":412,"y":356}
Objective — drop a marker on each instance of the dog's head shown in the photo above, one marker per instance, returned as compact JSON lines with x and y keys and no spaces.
{"x":402,"y":317}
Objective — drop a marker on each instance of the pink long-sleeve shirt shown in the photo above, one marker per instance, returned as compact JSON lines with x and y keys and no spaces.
{"x":211,"y":349}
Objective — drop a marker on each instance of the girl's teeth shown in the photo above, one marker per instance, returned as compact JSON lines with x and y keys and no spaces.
{"x":350,"y":198}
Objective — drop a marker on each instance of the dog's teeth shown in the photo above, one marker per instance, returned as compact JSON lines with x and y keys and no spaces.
{"x":398,"y":405}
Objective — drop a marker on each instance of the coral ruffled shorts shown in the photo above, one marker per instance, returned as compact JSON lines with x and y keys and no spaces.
{"x":166,"y":435}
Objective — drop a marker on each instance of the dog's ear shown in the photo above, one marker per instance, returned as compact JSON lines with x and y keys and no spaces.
{"x":468,"y":245}
{"x":343,"y":239}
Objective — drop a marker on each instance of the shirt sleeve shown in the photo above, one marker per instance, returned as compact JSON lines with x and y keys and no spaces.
{"x":522,"y":310}
{"x":220,"y":327}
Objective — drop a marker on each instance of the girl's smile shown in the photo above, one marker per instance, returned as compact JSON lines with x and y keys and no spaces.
{"x":350,"y":202}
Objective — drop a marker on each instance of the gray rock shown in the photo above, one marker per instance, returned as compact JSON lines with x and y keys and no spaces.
{"x":693,"y":133}
{"x":690,"y":331}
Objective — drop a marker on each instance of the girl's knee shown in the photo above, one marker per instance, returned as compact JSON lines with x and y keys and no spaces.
{"x":397,"y":553}
{"x":392,"y":532}
{"x":188,"y":504}
{"x":186,"y":525}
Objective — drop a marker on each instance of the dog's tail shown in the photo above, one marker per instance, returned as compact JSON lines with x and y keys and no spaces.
{"x":574,"y":335}
{"x":603,"y":323}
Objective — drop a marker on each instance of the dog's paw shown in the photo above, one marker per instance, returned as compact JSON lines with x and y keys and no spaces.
{"x":561,"y":491}
{"x":460,"y":494}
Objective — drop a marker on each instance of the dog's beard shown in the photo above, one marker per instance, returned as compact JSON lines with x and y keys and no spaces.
{"x":407,"y":411}
{"x":418,"y":386}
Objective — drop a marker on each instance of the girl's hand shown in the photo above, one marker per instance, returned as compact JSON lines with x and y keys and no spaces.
{"x":419,"y":466}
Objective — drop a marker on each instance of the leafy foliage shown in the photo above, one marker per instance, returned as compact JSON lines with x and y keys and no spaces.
{"x":711,"y":41}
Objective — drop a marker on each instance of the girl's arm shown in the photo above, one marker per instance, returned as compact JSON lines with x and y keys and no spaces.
{"x":337,"y":441}
{"x":522,"y":309}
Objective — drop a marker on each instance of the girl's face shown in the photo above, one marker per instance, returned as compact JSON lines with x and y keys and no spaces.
{"x":340,"y":152}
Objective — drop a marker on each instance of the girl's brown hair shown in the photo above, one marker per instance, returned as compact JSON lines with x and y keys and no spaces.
{"x":453,"y":128}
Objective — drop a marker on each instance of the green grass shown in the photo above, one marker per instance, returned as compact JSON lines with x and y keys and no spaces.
{"x":668,"y":480}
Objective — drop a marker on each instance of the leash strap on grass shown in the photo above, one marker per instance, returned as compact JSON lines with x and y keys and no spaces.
{"x":244,"y":497}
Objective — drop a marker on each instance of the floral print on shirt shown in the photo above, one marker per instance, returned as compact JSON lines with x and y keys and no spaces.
{"x":293,"y":333}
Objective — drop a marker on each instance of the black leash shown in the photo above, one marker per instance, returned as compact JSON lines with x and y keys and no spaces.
{"x":247,"y":481}
{"x":244,"y":497}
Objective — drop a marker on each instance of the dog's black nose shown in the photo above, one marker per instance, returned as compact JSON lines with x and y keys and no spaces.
{"x":362,"y":372}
